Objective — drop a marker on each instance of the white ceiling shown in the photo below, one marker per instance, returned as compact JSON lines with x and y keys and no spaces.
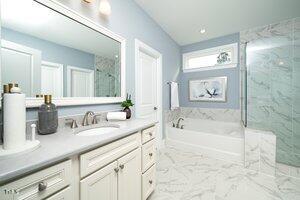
{"x":39,"y":21}
{"x":183,"y":19}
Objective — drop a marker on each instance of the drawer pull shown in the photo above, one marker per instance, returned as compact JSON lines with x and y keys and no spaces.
{"x":42,"y":186}
{"x":150,"y":134}
{"x":150,"y":154}
{"x":122,"y":166}
{"x":150,"y":181}
{"x":116,"y":170}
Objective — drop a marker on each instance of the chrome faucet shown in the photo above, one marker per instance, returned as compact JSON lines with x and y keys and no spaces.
{"x":178,"y":122}
{"x":88,"y":114}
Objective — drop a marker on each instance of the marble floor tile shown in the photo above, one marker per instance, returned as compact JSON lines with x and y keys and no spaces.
{"x":189,"y":176}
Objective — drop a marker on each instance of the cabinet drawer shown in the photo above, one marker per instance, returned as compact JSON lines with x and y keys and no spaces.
{"x":149,"y":182}
{"x":98,"y":158}
{"x":148,"y":134}
{"x":149,"y":155}
{"x":40,"y":184}
{"x":65,"y":194}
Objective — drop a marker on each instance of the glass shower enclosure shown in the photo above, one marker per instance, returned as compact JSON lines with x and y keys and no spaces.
{"x":270,"y":75}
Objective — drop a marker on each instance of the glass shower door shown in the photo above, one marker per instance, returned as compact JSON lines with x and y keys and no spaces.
{"x":273,"y":86}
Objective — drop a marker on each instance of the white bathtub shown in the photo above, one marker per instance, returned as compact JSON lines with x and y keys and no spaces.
{"x":221,"y":140}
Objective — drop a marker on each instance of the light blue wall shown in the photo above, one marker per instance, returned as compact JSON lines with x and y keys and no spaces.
{"x":52,"y":52}
{"x":233,"y":91}
{"x":129,"y":21}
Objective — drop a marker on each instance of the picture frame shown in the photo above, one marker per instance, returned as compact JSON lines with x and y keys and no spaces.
{"x":212,"y":89}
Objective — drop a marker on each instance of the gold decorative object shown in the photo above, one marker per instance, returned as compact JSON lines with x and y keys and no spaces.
{"x":48,"y":99}
{"x":5,"y":89}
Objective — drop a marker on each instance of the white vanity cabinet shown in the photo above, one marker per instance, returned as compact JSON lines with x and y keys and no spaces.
{"x":65,"y":194}
{"x":121,"y":170}
{"x":116,"y":181}
{"x":148,"y":161}
{"x":39,"y":185}
{"x":103,"y":184}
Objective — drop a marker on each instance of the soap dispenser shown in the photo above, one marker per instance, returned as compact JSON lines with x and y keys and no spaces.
{"x":47,"y":117}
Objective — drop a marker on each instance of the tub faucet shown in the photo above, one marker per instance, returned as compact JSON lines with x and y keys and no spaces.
{"x":178,"y":122}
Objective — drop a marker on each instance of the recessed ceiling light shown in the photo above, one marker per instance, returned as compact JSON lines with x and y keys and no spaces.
{"x":281,"y":63}
{"x":202,"y":31}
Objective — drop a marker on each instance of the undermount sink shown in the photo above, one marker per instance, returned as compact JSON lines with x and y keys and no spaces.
{"x":98,"y":131}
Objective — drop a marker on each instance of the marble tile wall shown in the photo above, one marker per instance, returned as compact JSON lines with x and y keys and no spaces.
{"x":171,"y":115}
{"x":107,"y":81}
{"x":287,"y":170}
{"x":227,"y":115}
{"x":260,"y":151}
{"x":273,"y":86}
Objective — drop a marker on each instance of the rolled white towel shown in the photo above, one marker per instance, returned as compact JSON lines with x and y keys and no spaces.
{"x":116,"y":116}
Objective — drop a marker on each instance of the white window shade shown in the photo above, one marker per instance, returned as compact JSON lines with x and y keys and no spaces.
{"x":209,"y":59}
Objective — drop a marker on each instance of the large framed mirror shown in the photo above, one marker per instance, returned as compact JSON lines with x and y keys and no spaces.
{"x":49,"y":49}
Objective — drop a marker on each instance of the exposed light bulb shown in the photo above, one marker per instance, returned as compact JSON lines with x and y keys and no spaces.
{"x":104,"y":7}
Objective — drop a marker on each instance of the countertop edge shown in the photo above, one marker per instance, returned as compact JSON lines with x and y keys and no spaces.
{"x":26,"y":170}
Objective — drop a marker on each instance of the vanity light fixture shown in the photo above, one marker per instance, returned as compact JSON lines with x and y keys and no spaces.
{"x":104,"y":7}
{"x":280,"y":63}
{"x":202,"y":31}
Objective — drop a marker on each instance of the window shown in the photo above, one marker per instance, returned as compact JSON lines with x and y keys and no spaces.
{"x":209,"y":59}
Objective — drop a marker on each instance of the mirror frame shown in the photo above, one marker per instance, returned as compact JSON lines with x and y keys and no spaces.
{"x":71,"y":101}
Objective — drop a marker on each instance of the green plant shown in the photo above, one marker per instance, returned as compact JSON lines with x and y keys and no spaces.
{"x":127,"y":103}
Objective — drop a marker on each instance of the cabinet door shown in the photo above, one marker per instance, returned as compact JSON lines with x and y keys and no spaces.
{"x":129,"y":183}
{"x":102,"y":184}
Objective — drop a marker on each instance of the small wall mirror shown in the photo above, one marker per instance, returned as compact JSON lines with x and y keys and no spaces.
{"x":48,"y":49}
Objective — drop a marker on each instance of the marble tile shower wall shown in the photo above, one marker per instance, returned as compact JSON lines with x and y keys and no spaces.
{"x":273,"y":86}
{"x":107,"y":76}
{"x":227,"y":115}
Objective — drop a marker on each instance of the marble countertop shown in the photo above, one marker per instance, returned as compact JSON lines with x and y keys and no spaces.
{"x":62,"y":145}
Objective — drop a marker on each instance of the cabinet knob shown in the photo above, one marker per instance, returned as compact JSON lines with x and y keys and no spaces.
{"x":116,"y":170}
{"x":150,"y":134}
{"x":150,"y":181}
{"x":155,"y":108}
{"x":150,"y":154}
{"x":42,"y":186}
{"x":122,"y":166}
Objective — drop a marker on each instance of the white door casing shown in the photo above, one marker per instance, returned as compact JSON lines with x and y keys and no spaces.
{"x":147,"y":87}
{"x":52,"y":79}
{"x":80,"y":82}
{"x":148,"y":84}
{"x":22,"y":65}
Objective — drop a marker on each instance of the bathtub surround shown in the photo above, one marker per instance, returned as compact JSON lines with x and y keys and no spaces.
{"x":287,"y":170}
{"x":233,"y":89}
{"x":272,"y":54}
{"x":171,"y":115}
{"x":260,"y":151}
{"x":216,"y":139}
{"x":225,"y":115}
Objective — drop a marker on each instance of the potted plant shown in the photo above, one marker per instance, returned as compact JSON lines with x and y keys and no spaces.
{"x":126,"y":105}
